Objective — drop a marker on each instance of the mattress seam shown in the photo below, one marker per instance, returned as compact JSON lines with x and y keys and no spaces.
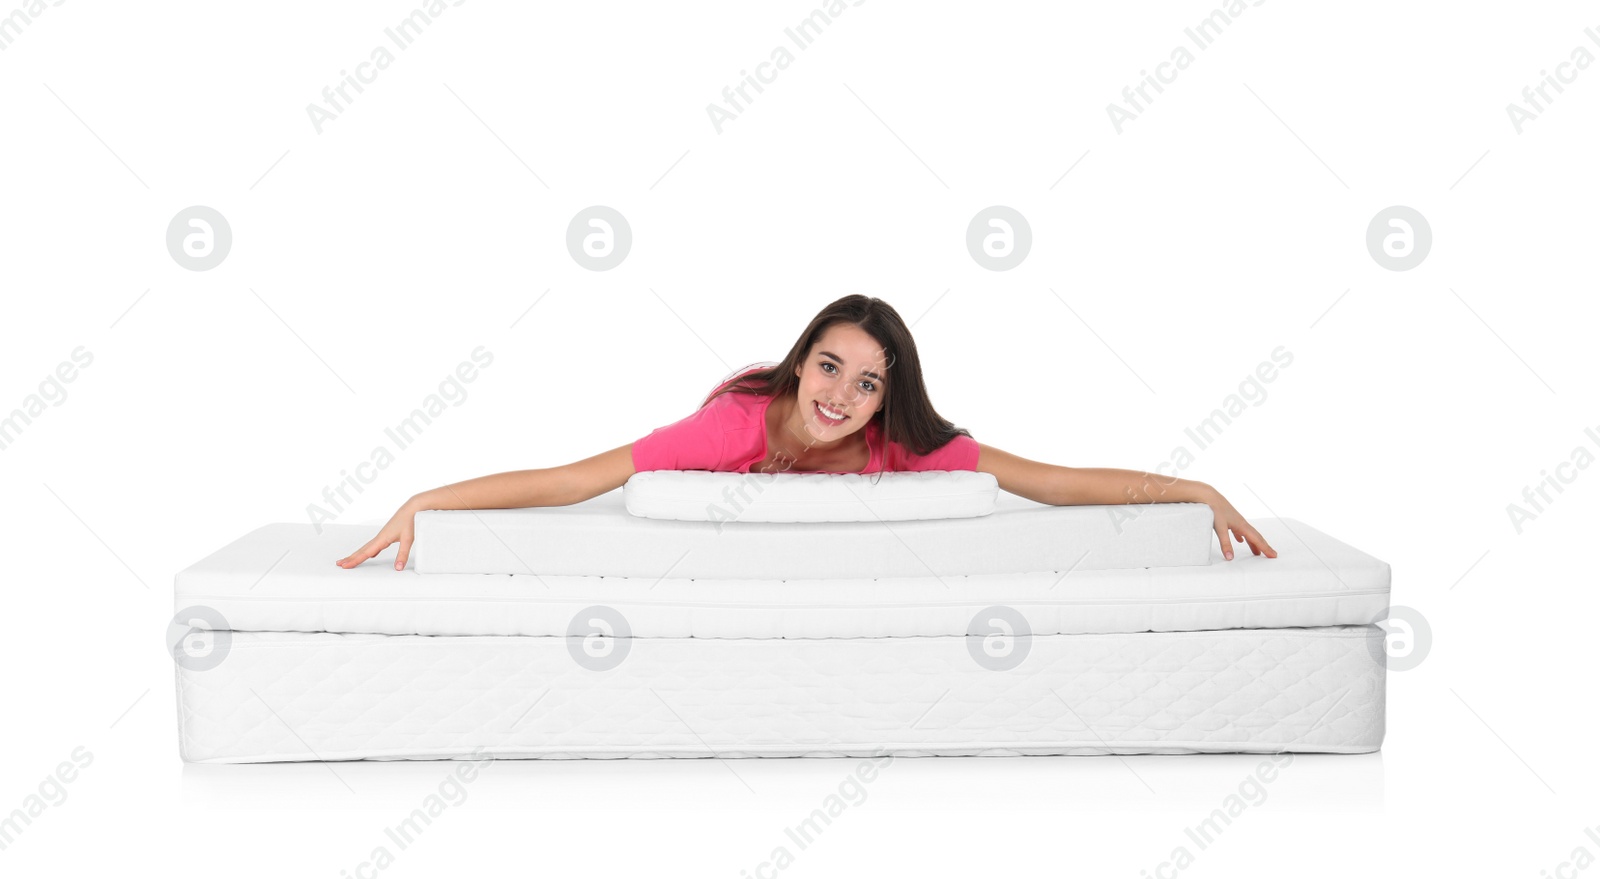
{"x":534,"y":599}
{"x":1155,"y":747}
{"x":1338,"y":633}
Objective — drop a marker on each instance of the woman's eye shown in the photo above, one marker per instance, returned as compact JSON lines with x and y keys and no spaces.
{"x":831,"y":369}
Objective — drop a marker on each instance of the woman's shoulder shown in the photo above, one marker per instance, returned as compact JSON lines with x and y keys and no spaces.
{"x":701,"y":440}
{"x":960,"y":453}
{"x":732,"y":407}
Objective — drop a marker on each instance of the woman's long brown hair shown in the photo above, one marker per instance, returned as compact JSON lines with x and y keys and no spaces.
{"x":907,"y":416}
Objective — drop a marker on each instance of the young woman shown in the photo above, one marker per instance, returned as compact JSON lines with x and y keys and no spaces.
{"x":848,"y":398}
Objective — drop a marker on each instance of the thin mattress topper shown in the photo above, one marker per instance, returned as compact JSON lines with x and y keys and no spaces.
{"x":599,"y":537}
{"x":283,"y":578}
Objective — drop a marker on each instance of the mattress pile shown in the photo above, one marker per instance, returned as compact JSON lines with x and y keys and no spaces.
{"x":845,"y":620}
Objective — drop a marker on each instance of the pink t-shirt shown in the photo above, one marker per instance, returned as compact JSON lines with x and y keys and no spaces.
{"x":729,"y":434}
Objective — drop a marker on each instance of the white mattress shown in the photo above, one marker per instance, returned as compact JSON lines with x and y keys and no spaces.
{"x":282,"y":578}
{"x":598,"y":537}
{"x":298,"y":696}
{"x":1252,"y":654}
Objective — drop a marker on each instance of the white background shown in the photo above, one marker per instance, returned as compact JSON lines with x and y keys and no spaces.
{"x":369,"y":259}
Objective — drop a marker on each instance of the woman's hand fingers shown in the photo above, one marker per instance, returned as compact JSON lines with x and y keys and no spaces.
{"x":405,"y":549}
{"x":400,"y":529}
{"x":1222,"y":538}
{"x":1240,"y":535}
{"x":373,"y":547}
{"x":1258,"y":544}
{"x":1227,"y":519}
{"x":354,"y":558}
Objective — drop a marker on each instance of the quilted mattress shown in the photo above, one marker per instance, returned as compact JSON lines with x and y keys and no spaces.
{"x":326,"y":696}
{"x":307,"y":661}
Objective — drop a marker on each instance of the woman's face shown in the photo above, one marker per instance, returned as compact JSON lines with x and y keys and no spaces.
{"x":846,"y":374}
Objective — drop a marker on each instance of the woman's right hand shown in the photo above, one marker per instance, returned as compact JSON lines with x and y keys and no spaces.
{"x":400,"y":528}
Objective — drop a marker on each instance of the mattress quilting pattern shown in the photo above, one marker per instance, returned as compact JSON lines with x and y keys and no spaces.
{"x":324,"y":696}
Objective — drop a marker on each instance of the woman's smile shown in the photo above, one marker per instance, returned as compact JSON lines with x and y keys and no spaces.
{"x":824,"y":417}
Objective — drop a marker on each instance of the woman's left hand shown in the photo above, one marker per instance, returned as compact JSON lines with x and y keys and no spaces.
{"x":1227,"y":519}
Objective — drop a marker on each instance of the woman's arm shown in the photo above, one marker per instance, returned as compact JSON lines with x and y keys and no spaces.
{"x":1050,"y":484}
{"x":549,"y":487}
